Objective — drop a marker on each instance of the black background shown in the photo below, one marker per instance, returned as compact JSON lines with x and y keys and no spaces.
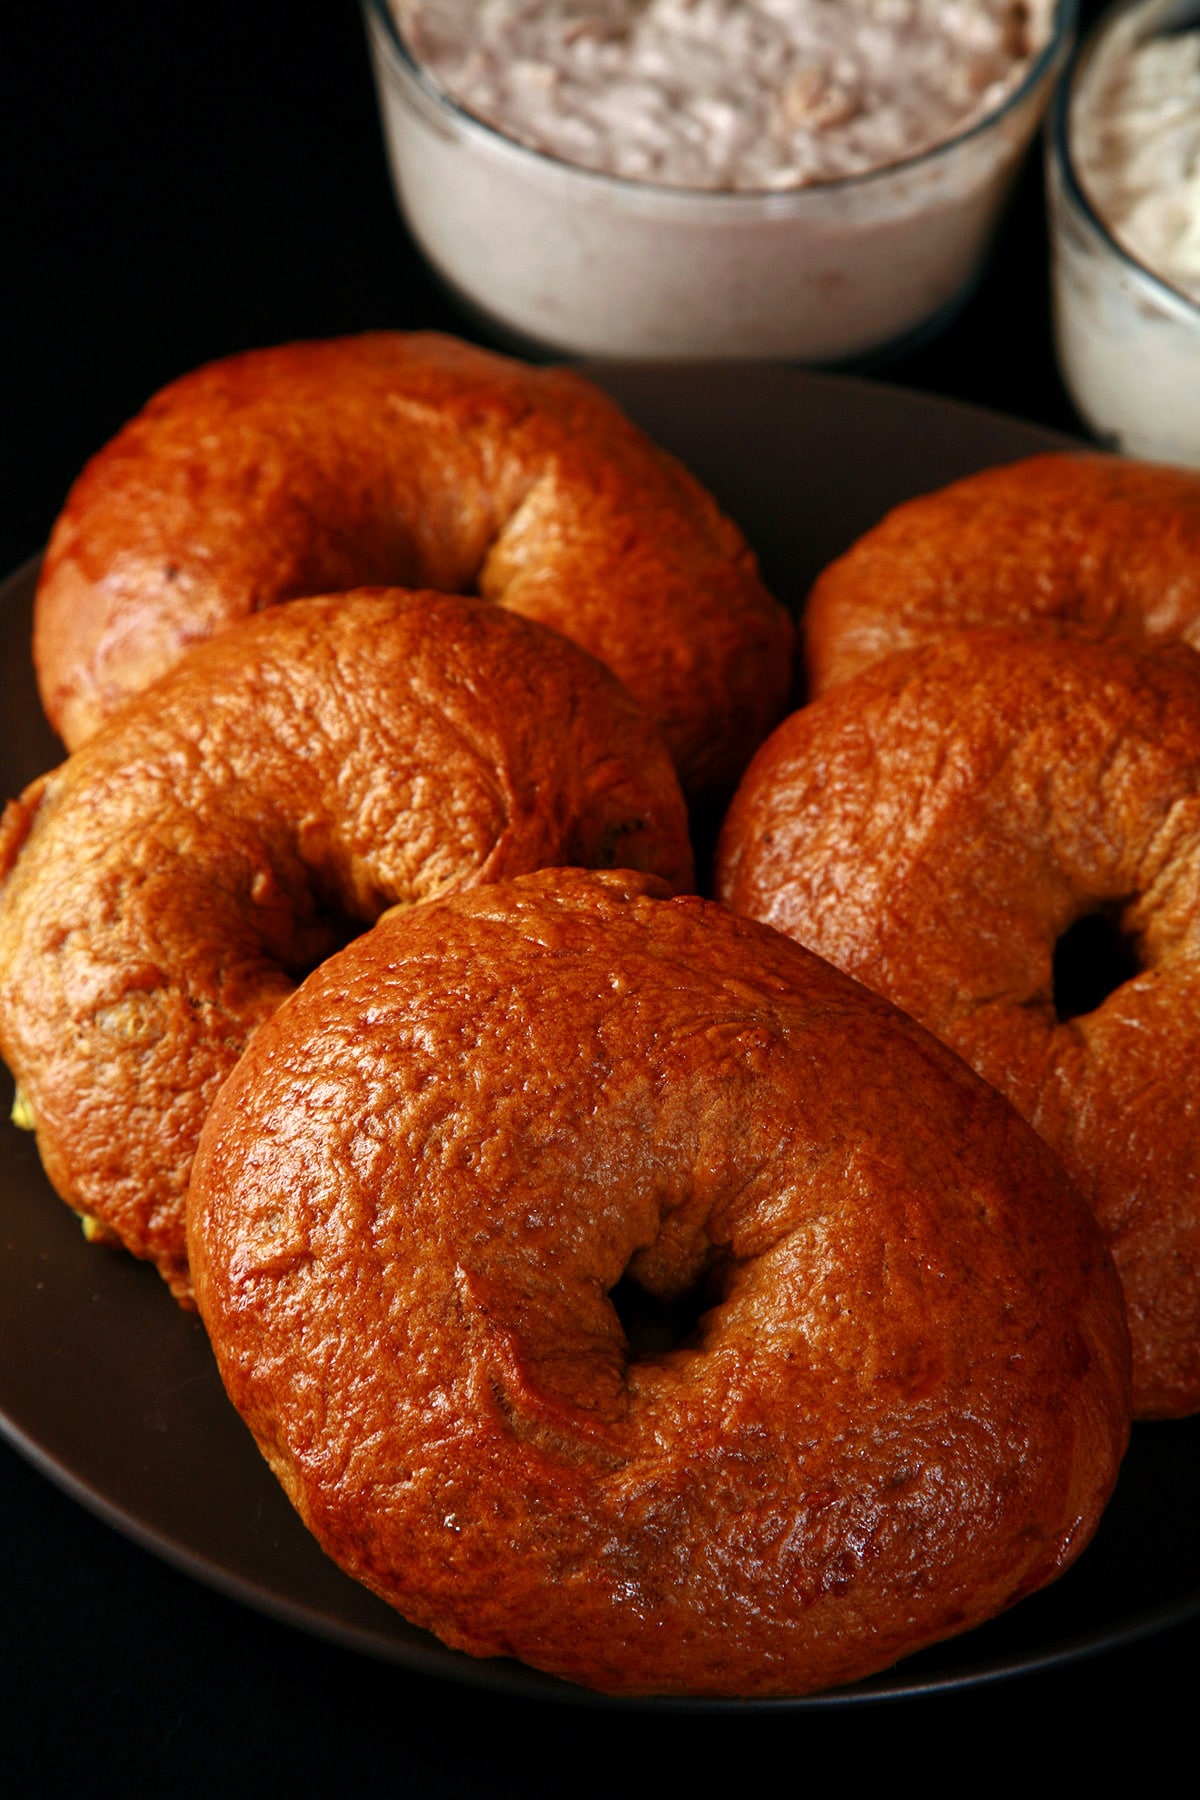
{"x":179,"y":183}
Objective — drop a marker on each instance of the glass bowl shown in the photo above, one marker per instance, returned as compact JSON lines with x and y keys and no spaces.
{"x":1128,"y":343}
{"x":566,"y":260}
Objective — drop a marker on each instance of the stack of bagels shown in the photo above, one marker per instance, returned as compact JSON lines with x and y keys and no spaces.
{"x":1001,"y":760}
{"x":352,"y":972}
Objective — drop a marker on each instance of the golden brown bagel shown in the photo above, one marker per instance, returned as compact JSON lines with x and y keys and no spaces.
{"x":416,"y":461}
{"x":1090,"y":546}
{"x":905,"y":1409}
{"x":935,"y":827}
{"x":170,"y":883}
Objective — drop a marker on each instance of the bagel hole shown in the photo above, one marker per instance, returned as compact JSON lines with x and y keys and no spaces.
{"x":321,"y":924}
{"x":1092,"y":958}
{"x":653,"y":1326}
{"x":323,"y":938}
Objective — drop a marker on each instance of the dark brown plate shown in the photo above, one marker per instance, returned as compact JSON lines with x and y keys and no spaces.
{"x":112,"y":1392}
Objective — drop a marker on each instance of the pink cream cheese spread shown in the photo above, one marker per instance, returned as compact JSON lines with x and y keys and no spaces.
{"x":727,"y":94}
{"x":804,"y":179}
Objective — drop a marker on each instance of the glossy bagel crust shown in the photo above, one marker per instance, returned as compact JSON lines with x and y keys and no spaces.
{"x":163,"y":890}
{"x":1058,"y":545}
{"x":415,"y":461}
{"x":412,"y":1199}
{"x":935,"y":826}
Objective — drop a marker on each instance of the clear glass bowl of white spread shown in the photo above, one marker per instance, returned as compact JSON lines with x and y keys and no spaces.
{"x":1123,"y":182}
{"x":649,"y":221}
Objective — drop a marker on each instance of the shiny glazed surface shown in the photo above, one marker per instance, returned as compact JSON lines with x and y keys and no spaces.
{"x":904,"y":1409}
{"x":163,"y":890}
{"x":935,"y":827}
{"x":416,"y":461}
{"x":1091,"y":546}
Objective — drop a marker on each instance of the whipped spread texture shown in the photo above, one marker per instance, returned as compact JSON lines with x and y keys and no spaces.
{"x":1127,"y":327}
{"x":1136,"y":144}
{"x":728,"y":94}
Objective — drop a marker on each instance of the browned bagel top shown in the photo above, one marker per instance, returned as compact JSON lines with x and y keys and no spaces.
{"x":416,"y":461}
{"x":936,"y":826}
{"x":1075,"y":545}
{"x":291,"y":779}
{"x":416,"y":1193}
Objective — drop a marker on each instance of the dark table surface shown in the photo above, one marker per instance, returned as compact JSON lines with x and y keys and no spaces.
{"x":179,"y":184}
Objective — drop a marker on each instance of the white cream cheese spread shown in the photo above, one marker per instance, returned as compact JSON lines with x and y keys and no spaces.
{"x":1136,"y":146}
{"x":1128,"y":331}
{"x":727,"y":94}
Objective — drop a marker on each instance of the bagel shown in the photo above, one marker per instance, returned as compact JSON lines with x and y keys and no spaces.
{"x":417,"y":1193}
{"x":937,"y":827}
{"x":166,"y":887}
{"x":414,"y":461}
{"x":1058,"y":545}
